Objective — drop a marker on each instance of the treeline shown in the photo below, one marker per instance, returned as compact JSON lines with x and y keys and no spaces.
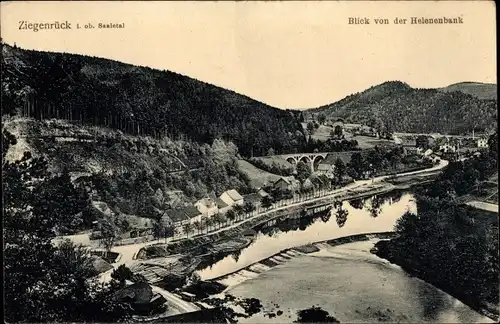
{"x":331,"y":145}
{"x":378,"y":161}
{"x":142,"y":101}
{"x":272,"y":168}
{"x":452,"y":246}
{"x":405,"y":109}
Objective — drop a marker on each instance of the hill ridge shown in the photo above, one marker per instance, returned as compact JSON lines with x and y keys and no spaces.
{"x":142,"y":101}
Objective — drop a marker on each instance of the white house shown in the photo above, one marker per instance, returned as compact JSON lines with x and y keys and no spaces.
{"x":448,"y":148}
{"x":231,"y":198}
{"x":482,"y":143}
{"x":326,"y":169}
{"x":428,"y":152}
{"x":207,"y":207}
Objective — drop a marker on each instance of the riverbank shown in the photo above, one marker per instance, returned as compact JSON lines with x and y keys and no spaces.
{"x":311,"y":248}
{"x":210,"y":248}
{"x":383,"y":250}
{"x":344,"y":279}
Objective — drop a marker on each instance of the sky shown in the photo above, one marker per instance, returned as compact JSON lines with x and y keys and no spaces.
{"x":286,"y":54}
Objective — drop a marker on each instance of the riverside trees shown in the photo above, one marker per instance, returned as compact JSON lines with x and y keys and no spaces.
{"x":453,"y":246}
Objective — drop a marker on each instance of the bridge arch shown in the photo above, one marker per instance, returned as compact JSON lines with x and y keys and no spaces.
{"x":317,"y":160}
{"x":292,"y":161}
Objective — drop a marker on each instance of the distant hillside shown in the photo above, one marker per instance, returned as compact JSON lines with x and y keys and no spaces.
{"x":399,"y":107}
{"x":141,"y":101}
{"x":477,"y":89}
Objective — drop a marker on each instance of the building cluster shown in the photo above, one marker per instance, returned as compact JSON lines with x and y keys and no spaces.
{"x":208,"y":207}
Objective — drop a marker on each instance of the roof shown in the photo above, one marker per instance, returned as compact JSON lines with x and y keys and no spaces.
{"x":220,"y":203}
{"x":139,"y":293}
{"x":282,"y":179}
{"x":191,"y":211}
{"x":100,"y":265}
{"x":332,"y":157}
{"x":179,"y":215}
{"x":234,"y":195}
{"x":263,"y":193}
{"x":206,"y":202}
{"x":352,"y":125}
{"x":324,"y":167}
{"x":253,"y":198}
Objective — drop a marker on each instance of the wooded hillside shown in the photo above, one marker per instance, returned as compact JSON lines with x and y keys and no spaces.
{"x":141,"y":101}
{"x":404,"y":109}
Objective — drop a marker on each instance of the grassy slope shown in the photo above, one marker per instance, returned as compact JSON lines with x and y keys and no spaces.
{"x":257,"y":176}
{"x":477,"y":89}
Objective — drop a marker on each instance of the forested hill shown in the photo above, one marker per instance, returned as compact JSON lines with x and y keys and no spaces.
{"x":141,"y":101}
{"x":402,"y":108}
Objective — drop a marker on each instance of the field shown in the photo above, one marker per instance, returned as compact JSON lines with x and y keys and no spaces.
{"x":257,"y":176}
{"x":367,"y":142}
{"x":322,"y":133}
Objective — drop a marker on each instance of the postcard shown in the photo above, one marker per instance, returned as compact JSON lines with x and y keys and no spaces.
{"x":250,"y":161}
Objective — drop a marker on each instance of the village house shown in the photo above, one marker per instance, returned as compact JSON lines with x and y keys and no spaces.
{"x":181,"y":216}
{"x":327,"y":166}
{"x":287,"y":183}
{"x":482,"y":143}
{"x":138,"y":231}
{"x":222,"y":206}
{"x":412,"y":150}
{"x":326,"y":169}
{"x":141,"y":298}
{"x":448,"y":148}
{"x":232,"y":197}
{"x":207,"y":207}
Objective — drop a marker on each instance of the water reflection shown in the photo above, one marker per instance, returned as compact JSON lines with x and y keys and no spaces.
{"x":292,"y":232}
{"x":357,"y":203}
{"x":375,"y":204}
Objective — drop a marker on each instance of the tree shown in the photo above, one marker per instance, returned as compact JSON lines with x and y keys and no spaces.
{"x":121,"y":274}
{"x":109,"y":236}
{"x":303,"y":171}
{"x":239,"y":210}
{"x":248,"y":207}
{"x":188,"y":228}
{"x":337,"y":131}
{"x":322,"y":118}
{"x":198,"y":225}
{"x":422,"y":141}
{"x":267,"y":201}
{"x":339,"y":170}
{"x":315,"y":315}
{"x":209,"y":223}
{"x":44,"y":282}
{"x":310,"y":127}
{"x":270,"y":152}
{"x":231,"y":215}
{"x":158,"y":229}
{"x":169,"y":231}
{"x":357,"y":163}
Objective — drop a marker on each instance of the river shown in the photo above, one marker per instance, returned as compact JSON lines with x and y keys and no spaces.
{"x":348,"y":281}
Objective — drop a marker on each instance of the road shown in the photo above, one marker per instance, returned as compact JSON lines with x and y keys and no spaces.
{"x":484,"y":206}
{"x":175,"y":301}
